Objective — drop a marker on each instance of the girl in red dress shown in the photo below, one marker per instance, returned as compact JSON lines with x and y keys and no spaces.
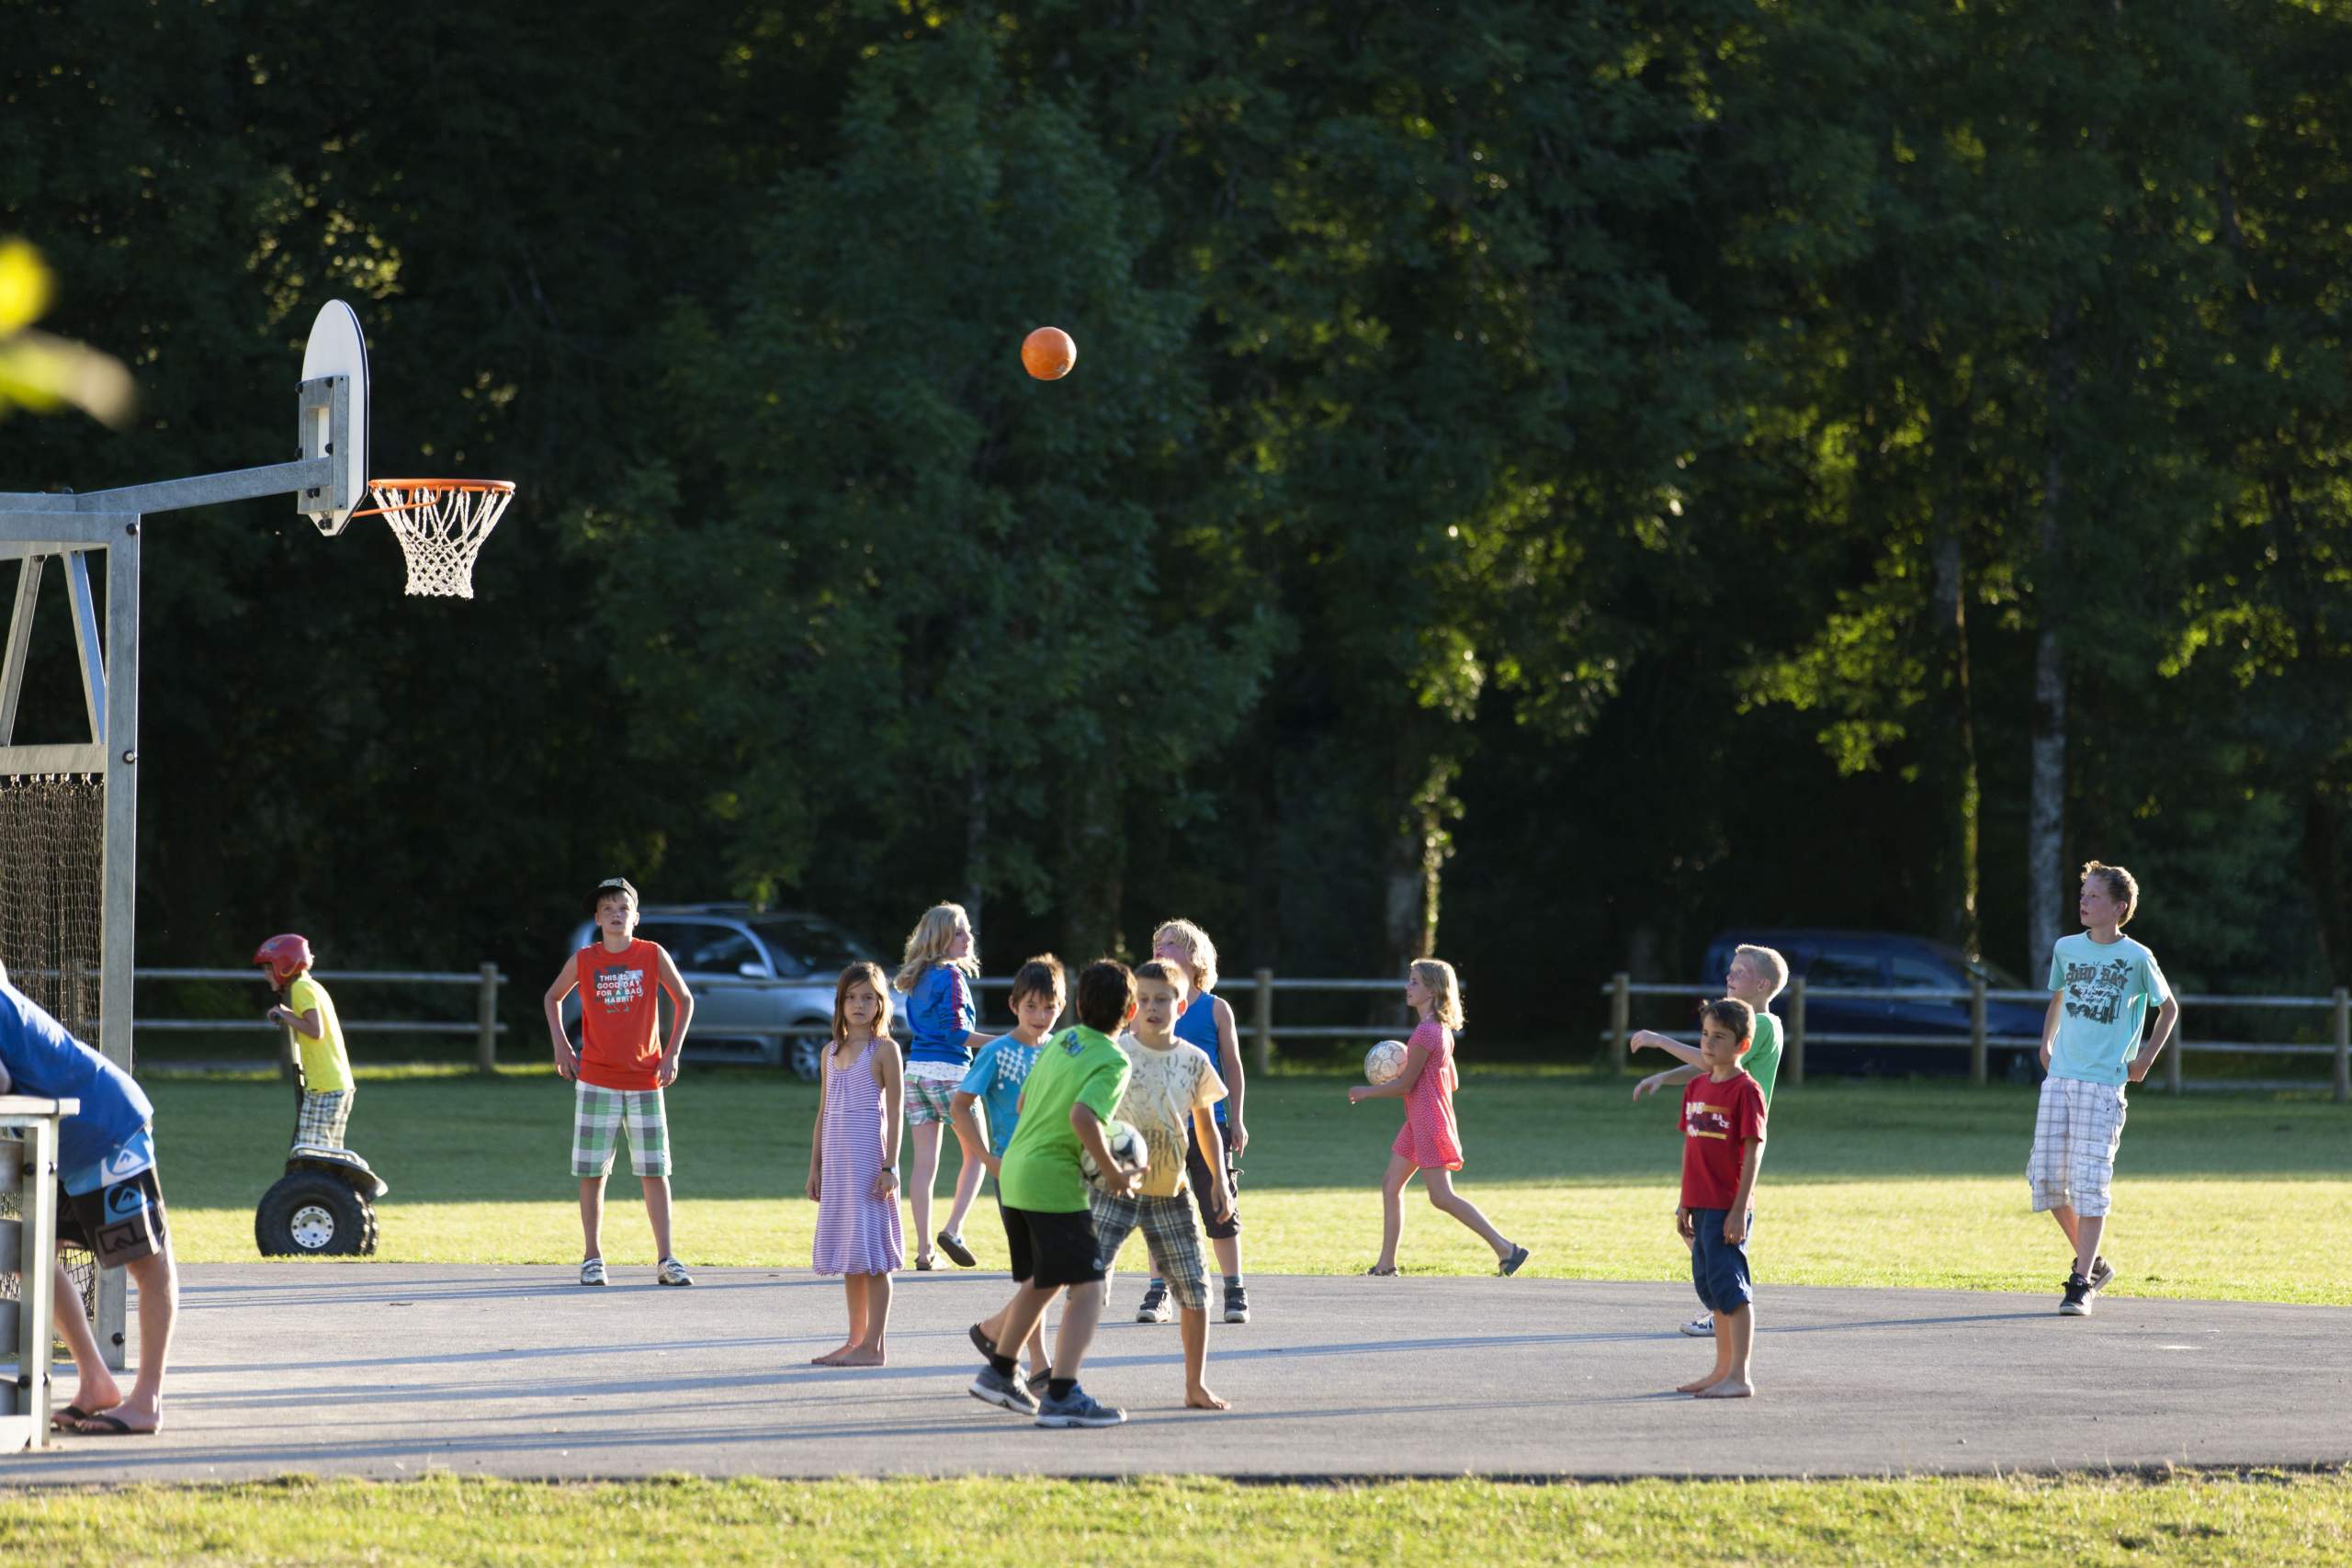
{"x":1428,"y":1142}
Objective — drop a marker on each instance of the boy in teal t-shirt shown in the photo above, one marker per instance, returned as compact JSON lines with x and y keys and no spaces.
{"x":1048,"y":1224}
{"x":1757,"y":975}
{"x":2100,"y":984}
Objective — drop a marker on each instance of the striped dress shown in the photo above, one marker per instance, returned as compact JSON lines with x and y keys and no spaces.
{"x":856,"y":1233}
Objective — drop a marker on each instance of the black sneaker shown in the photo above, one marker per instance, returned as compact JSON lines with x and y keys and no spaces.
{"x":2079,"y":1298}
{"x":1237,"y":1306}
{"x":1154,"y":1305}
{"x":1078,"y":1409}
{"x":2102,"y":1274}
{"x":954,"y":1247}
{"x":1006,"y":1391}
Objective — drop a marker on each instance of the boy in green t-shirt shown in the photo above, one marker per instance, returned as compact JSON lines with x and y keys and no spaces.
{"x":309,"y":1011}
{"x":1049,"y":1222}
{"x":1757,"y":974}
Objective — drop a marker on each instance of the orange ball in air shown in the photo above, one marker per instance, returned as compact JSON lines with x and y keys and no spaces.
{"x":1049,"y":353}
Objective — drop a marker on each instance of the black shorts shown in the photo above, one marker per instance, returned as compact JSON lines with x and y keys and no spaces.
{"x":1197,"y":1178}
{"x":119,"y":1224}
{"x":1050,"y":1250}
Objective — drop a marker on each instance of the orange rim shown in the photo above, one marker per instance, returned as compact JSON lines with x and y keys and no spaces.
{"x":424,"y":488}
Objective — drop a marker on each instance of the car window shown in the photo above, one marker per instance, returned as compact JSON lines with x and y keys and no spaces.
{"x":1922,"y":973}
{"x":702,"y":947}
{"x":803,"y":943}
{"x":1842,"y":969}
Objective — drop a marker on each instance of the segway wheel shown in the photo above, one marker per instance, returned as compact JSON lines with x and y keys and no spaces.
{"x":310,"y":1216}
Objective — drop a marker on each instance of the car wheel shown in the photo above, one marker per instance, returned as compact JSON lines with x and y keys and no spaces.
{"x":808,"y":1057}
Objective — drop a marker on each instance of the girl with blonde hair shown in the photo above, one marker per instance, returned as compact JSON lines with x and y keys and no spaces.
{"x":853,"y":1163}
{"x":1430,"y":1142}
{"x":1208,"y":1023}
{"x":937,"y":975}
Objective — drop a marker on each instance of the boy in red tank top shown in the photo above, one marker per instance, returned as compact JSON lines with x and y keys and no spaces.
{"x":619,"y":1071}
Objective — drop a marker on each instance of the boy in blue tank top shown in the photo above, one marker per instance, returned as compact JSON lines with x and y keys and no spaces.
{"x":1208,"y":1023}
{"x":108,"y":1202}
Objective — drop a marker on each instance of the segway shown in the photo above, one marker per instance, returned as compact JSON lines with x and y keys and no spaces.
{"x":324,"y":1206}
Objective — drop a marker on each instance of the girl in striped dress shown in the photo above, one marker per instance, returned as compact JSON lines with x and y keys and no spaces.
{"x":853,"y":1162}
{"x":1428,"y":1142}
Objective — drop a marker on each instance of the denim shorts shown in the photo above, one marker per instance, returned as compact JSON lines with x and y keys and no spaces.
{"x":1718,"y":1267}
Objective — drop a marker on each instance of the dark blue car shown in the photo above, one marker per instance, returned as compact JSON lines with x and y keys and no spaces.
{"x":1832,"y":960}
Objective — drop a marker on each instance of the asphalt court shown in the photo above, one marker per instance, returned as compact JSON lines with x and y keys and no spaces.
{"x":393,"y":1371}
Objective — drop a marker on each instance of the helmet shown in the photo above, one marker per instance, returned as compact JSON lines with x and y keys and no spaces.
{"x":285,"y":956}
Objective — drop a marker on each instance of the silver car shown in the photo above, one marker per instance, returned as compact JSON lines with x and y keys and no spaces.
{"x":763,"y":978}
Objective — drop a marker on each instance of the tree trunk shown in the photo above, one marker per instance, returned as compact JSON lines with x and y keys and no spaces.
{"x":2045,"y":849}
{"x":2324,"y":879}
{"x":1953,"y":745}
{"x":1417,"y":858}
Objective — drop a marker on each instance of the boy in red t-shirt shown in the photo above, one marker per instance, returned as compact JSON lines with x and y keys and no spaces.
{"x":619,"y":1072}
{"x":1723,"y":1148}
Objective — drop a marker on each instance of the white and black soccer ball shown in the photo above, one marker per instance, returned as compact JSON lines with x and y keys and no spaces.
{"x":1127,"y":1148}
{"x":1385,"y":1062}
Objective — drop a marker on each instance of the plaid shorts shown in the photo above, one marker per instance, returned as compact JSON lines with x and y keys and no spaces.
{"x":2076,"y":1131}
{"x":596,"y":1118}
{"x":322,"y":1118}
{"x":930,"y":1086}
{"x":1170,"y":1237}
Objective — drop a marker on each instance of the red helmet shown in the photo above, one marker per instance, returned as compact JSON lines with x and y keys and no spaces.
{"x":284,"y":956}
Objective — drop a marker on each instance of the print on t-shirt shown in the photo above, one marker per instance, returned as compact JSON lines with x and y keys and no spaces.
{"x":618,"y":987}
{"x":1705,"y":1120}
{"x":2095,"y":991}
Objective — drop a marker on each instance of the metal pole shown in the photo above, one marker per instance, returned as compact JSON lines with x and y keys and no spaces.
{"x":1792,"y":1057}
{"x":1621,"y":1018}
{"x":1261,"y":1049}
{"x":486,"y":1017}
{"x":119,"y":860}
{"x":2343,"y":1045}
{"x":1976,"y":1073}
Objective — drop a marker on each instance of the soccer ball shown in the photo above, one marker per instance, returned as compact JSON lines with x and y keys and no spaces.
{"x":1127,"y":1148}
{"x":1384,"y":1062}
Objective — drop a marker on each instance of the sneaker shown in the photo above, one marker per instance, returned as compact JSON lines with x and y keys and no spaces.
{"x":2079,"y":1298}
{"x":1701,"y":1327}
{"x":1154,"y":1306}
{"x":1236,"y":1308}
{"x":954,"y":1247}
{"x":1077,"y":1410}
{"x":1006,"y":1391}
{"x":673,"y":1272}
{"x":2102,"y":1274}
{"x":592,"y":1272}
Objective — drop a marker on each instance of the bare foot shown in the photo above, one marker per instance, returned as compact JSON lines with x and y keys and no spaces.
{"x":859,"y":1356}
{"x":1199,"y":1398}
{"x":831,"y":1357}
{"x":1730,"y":1388}
{"x":1697,"y":1385}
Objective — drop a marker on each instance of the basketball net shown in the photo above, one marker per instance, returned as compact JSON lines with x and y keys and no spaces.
{"x":441,"y":524}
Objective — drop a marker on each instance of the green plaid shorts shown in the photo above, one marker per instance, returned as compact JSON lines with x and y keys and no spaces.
{"x":596,"y":1120}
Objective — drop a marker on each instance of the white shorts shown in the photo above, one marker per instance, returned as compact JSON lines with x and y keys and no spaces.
{"x":2076,"y":1131}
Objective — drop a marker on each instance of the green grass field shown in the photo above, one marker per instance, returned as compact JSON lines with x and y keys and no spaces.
{"x":2083,"y":1521}
{"x":1877,"y":1183}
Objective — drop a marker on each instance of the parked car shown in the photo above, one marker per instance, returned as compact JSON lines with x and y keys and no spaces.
{"x":1829,"y":960}
{"x":719,"y":948}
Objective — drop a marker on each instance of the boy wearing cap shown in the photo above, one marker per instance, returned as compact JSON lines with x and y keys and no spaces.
{"x":619,"y":1071}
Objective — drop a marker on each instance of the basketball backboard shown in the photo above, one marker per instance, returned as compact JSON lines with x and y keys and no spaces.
{"x":332,"y":409}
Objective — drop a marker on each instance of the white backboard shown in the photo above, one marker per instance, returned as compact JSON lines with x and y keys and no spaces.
{"x":333,"y":414}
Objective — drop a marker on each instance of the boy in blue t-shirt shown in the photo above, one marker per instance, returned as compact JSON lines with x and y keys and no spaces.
{"x":2100,"y":984}
{"x":1000,"y":1071}
{"x":108,"y":1202}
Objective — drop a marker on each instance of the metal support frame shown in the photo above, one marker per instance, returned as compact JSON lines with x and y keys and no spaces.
{"x":29,"y":1249}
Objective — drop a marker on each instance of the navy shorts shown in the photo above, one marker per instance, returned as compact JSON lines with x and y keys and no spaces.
{"x":1051,"y":1249}
{"x":1718,"y":1268}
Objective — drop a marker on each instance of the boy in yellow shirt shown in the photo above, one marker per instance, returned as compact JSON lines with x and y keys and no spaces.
{"x":327,"y":1089}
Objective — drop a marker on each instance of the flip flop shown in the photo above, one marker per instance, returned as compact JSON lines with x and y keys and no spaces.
{"x":63,"y":1419}
{"x":1381,"y":1273}
{"x":104,"y":1424}
{"x":1509,"y":1266}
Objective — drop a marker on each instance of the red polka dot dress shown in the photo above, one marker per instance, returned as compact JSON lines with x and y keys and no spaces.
{"x":1429,"y":1137}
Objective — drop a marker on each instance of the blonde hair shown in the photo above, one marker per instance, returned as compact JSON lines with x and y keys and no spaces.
{"x":2120,"y":884}
{"x":1445,"y":989}
{"x":928,"y":943}
{"x":1776,"y":968}
{"x":860,"y":975}
{"x":1200,"y":952}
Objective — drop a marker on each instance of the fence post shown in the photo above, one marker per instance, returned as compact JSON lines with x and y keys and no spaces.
{"x":486,"y":1021}
{"x":1976,"y":1073}
{"x":290,"y":1057}
{"x":1261,"y":1047}
{"x":2343,"y":1045}
{"x":1792,"y":1054}
{"x":2173,"y":1063}
{"x":1620,"y":1018}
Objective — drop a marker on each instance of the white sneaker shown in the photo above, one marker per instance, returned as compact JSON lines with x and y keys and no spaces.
{"x":592,"y":1272}
{"x":1701,"y":1327}
{"x":673,"y":1272}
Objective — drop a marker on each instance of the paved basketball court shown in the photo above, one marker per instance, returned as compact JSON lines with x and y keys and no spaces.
{"x":392,"y":1370}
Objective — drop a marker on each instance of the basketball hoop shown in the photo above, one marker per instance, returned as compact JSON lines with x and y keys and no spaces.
{"x":440,"y":524}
